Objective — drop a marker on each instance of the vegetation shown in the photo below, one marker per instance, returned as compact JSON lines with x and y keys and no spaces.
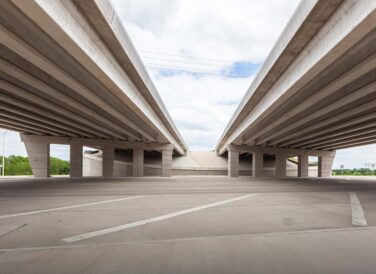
{"x":58,"y":166}
{"x":355,"y":172}
{"x":18,"y":165}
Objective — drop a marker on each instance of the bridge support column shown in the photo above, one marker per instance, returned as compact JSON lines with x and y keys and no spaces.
{"x":325,"y":166}
{"x":108,"y":160}
{"x":257,"y":163}
{"x":39,"y":158}
{"x":138,"y":162}
{"x":166,"y":163}
{"x":233,"y":163}
{"x":280,"y":165}
{"x":303,"y":165}
{"x":76,"y":161}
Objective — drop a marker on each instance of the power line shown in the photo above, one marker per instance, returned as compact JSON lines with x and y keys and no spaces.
{"x":214,"y":73}
{"x":182,"y":61}
{"x":169,"y":66}
{"x":190,"y":57}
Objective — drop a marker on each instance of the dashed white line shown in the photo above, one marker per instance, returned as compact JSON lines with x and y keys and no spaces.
{"x":257,"y":234}
{"x":67,"y":207}
{"x":358,"y":217}
{"x":149,"y":220}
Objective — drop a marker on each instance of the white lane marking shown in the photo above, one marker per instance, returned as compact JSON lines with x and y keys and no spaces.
{"x":261,"y":234}
{"x":358,"y":217}
{"x":67,"y":207}
{"x":149,"y":220}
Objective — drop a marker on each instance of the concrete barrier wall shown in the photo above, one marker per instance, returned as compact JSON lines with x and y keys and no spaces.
{"x":92,"y":166}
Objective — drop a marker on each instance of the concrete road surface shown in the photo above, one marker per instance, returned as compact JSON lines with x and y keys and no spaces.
{"x":188,"y":225}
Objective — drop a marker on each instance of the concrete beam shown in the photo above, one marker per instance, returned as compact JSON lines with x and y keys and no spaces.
{"x":327,"y":110}
{"x":336,"y":37}
{"x":123,"y":50}
{"x":354,"y":136}
{"x":363,"y":112}
{"x":95,"y":142}
{"x":16,"y":120}
{"x":333,"y":133}
{"x":67,"y":23}
{"x":63,"y":99}
{"x":352,"y":141}
{"x":276,"y":150}
{"x":55,"y":111}
{"x":294,"y":39}
{"x":345,"y":79}
{"x":355,"y":144}
{"x":24,"y":115}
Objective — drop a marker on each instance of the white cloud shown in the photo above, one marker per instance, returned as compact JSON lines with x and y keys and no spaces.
{"x":241,"y":30}
{"x":229,"y":31}
{"x":201,"y":107}
{"x":224,"y":30}
{"x":12,"y":143}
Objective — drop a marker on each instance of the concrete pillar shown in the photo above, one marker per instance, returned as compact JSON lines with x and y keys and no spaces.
{"x":108,"y":161}
{"x":303,"y":165}
{"x":39,"y":158}
{"x":325,"y":165}
{"x":280,"y":165}
{"x":76,"y":161}
{"x":138,"y":162}
{"x":257,"y":163}
{"x":233,"y":163}
{"x":166,"y":163}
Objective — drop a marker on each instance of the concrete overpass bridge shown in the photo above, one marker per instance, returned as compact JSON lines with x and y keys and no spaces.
{"x":315,"y":93}
{"x":69,"y":74}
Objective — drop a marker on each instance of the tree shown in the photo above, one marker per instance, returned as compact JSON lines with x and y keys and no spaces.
{"x":19,"y":165}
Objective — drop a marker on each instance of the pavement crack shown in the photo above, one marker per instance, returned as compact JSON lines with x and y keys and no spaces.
{"x":13,"y":230}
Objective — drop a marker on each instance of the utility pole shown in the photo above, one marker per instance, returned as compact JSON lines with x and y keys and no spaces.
{"x":3,"y":167}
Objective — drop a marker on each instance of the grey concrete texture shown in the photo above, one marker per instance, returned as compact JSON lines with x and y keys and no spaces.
{"x":76,"y":161}
{"x":96,"y":92}
{"x":316,"y":90}
{"x":290,"y":226}
{"x":39,"y":158}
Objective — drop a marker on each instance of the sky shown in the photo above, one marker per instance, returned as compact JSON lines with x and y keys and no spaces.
{"x":202,"y":56}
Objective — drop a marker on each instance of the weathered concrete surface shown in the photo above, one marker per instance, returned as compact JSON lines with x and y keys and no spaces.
{"x":316,"y":89}
{"x":138,"y":162}
{"x":39,"y":158}
{"x":68,"y":68}
{"x":290,"y":226}
{"x":76,"y":161}
{"x":206,"y":163}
